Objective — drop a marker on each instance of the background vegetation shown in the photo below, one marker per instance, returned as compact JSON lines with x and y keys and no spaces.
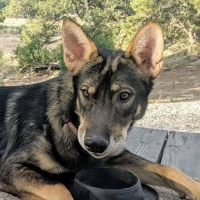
{"x":110,"y":23}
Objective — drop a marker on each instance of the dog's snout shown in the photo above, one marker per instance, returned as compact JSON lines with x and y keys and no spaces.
{"x":96,"y":145}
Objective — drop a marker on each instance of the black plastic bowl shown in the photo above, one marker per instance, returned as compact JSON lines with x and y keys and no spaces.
{"x":107,"y":184}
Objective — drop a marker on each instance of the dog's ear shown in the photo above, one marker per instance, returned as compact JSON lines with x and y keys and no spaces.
{"x":147,"y":49}
{"x":77,"y":46}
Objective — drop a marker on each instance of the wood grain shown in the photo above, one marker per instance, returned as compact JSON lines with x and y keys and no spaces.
{"x":147,"y":143}
{"x":183,"y":151}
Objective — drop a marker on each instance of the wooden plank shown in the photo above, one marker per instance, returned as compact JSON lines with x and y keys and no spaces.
{"x":183,"y":151}
{"x":147,"y":143}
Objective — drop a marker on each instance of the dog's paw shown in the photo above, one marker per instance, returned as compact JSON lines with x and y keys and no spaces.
{"x":193,"y":193}
{"x":182,"y":195}
{"x":196,"y":192}
{"x":181,"y":183}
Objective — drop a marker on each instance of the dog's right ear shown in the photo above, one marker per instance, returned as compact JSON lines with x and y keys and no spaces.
{"x":77,"y":46}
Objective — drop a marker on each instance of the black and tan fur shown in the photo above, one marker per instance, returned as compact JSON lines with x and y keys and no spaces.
{"x":101,"y":95}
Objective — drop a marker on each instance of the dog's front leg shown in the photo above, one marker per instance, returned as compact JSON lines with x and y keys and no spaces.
{"x":156,"y":174}
{"x":31,"y":185}
{"x":46,"y":192}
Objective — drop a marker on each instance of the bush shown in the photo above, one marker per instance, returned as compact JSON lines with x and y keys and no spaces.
{"x":1,"y":54}
{"x":35,"y":49}
{"x":2,"y":17}
{"x":35,"y":52}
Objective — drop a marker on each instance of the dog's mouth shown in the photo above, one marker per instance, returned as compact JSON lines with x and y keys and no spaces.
{"x":113,"y":148}
{"x":110,"y":153}
{"x":97,"y":155}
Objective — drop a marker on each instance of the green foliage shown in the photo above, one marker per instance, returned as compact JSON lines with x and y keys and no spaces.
{"x":1,"y":83}
{"x":182,"y":21}
{"x":1,"y":54}
{"x":3,"y":3}
{"x":60,"y":58}
{"x":43,"y":9}
{"x":35,"y":49}
{"x":2,"y":17}
{"x":99,"y":19}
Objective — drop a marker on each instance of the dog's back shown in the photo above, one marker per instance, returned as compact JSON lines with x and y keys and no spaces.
{"x":4,"y":95}
{"x":19,"y":105}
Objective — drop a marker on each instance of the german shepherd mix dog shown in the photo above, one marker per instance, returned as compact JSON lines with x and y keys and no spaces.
{"x":51,"y":129}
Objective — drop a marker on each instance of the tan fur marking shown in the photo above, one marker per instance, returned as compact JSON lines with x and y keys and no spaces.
{"x":32,"y":124}
{"x":48,"y":164}
{"x":115,"y":87}
{"x":138,"y":112}
{"x":92,"y":90}
{"x":83,"y":125}
{"x":45,"y":192}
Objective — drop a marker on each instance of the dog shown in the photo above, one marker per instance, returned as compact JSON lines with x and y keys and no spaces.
{"x":53,"y":129}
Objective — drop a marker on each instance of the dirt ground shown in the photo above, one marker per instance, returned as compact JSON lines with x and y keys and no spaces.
{"x":180,"y":84}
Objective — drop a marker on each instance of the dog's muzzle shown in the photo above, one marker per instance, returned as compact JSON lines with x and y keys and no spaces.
{"x":96,"y":145}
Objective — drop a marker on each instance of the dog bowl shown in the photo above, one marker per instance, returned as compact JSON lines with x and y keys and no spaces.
{"x":107,"y":184}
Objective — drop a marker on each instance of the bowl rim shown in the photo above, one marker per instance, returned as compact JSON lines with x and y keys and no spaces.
{"x":106,"y":189}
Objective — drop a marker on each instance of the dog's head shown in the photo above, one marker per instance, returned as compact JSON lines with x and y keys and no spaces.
{"x":111,"y":86}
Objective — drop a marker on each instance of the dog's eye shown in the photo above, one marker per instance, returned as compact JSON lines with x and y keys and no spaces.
{"x":85,"y":93}
{"x":124,"y":96}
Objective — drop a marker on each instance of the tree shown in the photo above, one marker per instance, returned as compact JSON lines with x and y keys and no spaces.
{"x":183,"y":20}
{"x":142,"y":11}
{"x":41,"y":31}
{"x":3,"y":3}
{"x":35,"y":45}
{"x":179,"y":18}
{"x":99,"y":19}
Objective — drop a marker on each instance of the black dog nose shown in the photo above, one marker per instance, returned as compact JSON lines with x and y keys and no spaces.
{"x":96,"y":145}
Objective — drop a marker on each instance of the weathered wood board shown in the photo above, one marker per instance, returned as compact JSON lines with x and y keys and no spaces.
{"x":147,"y":143}
{"x":183,"y":151}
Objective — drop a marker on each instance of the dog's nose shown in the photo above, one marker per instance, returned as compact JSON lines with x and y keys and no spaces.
{"x":96,"y":145}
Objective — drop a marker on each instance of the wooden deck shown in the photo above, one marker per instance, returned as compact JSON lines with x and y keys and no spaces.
{"x":178,"y":149}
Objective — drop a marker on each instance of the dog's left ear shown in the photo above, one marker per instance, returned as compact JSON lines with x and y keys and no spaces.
{"x":147,"y":49}
{"x":77,"y":46}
